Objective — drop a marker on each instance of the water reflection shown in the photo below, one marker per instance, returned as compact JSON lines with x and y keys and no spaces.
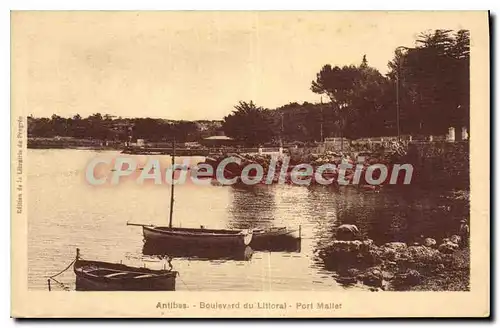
{"x":251,"y":207}
{"x":279,"y":244}
{"x":164,"y":250}
{"x":63,"y":213}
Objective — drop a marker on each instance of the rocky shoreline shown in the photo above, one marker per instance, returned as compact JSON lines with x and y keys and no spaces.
{"x":395,"y":266}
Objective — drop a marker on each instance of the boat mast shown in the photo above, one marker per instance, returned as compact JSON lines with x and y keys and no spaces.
{"x":172,"y":186}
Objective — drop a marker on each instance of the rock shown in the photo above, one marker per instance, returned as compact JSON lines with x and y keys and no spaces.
{"x":347,"y":245}
{"x":429,"y":242}
{"x":353,"y":272}
{"x":390,"y":266}
{"x":448,"y":247}
{"x":455,"y":239}
{"x":413,"y":277}
{"x":338,"y":246}
{"x":348,"y":228}
{"x":356,"y":243}
{"x":409,"y":278}
{"x":368,"y":242}
{"x":372,"y":277}
{"x":439,"y":268}
{"x":424,"y":254}
{"x":375,"y":270}
{"x":397,"y":246}
{"x":347,"y":232}
{"x":387,"y":253}
{"x":422,"y":257}
{"x":346,"y":280}
{"x":386,"y":275}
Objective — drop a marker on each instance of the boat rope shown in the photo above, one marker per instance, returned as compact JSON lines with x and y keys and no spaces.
{"x":179,"y":275}
{"x":53,"y":277}
{"x":65,"y":269}
{"x":63,"y":286}
{"x":169,"y":261}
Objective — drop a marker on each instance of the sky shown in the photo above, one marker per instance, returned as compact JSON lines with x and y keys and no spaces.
{"x":194,"y":65}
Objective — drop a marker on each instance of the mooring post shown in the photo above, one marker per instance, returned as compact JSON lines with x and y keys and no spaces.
{"x":48,"y":282}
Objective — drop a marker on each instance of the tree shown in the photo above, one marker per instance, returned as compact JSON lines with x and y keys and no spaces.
{"x":95,"y":127}
{"x":364,"y":63}
{"x":339,"y":85}
{"x":370,"y":103}
{"x":356,"y":95}
{"x":250,"y":124}
{"x":434,"y":82}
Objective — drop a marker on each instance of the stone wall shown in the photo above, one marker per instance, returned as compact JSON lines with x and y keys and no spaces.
{"x":441,"y":164}
{"x":437,"y":164}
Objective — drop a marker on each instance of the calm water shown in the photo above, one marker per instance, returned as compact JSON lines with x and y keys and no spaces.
{"x":65,"y":212}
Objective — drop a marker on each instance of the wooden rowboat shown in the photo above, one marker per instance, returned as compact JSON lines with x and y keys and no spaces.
{"x":260,"y":235}
{"x":193,"y":238}
{"x":197,"y":237}
{"x":105,"y":276}
{"x":276,"y":239}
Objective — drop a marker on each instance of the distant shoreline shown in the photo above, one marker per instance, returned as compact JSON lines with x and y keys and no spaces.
{"x":75,"y":148}
{"x":71,"y":143}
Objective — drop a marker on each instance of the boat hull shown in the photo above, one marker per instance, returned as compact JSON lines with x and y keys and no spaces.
{"x":276,"y":239}
{"x":197,"y":238}
{"x":168,"y":250}
{"x":274,"y":233}
{"x":103,"y":276}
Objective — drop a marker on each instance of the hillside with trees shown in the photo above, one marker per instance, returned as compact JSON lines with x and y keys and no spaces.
{"x":428,"y":83}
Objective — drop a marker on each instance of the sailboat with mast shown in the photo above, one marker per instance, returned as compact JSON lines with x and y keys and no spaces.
{"x":193,"y":237}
